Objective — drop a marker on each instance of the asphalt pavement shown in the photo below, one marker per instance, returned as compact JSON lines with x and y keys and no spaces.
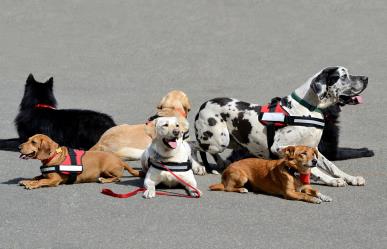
{"x":121,"y":57}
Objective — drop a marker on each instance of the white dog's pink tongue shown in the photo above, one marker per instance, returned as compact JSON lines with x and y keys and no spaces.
{"x":358,"y":99}
{"x":173,"y":144}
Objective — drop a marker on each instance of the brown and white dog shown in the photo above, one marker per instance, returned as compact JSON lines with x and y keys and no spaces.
{"x":129,"y":141}
{"x":274,"y":176}
{"x":98,"y":166}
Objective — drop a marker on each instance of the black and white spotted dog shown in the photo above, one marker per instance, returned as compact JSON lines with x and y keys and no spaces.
{"x":229,"y":123}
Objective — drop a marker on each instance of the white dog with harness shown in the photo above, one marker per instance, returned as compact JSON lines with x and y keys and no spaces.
{"x":168,"y":149}
{"x":293,"y":120}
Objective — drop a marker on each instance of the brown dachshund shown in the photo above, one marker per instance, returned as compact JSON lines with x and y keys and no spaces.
{"x":98,"y":166}
{"x":274,"y":176}
{"x":129,"y":141}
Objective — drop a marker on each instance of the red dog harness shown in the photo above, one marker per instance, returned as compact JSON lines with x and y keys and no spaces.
{"x":274,"y":117}
{"x":71,"y":166}
{"x":273,"y":114}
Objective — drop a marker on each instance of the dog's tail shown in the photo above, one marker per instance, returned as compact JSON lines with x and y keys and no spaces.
{"x":132,"y":171}
{"x":11,"y":144}
{"x":217,"y":187}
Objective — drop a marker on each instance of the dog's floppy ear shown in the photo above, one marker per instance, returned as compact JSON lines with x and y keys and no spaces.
{"x":45,"y":148}
{"x":315,"y":152}
{"x":30,"y":79}
{"x":186,"y":105}
{"x":183,"y":124}
{"x":317,"y":88}
{"x":289,"y":151}
{"x":150,"y":129}
{"x":160,"y":105}
{"x":325,"y":78}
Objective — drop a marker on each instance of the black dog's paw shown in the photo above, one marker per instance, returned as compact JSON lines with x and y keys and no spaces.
{"x":367,"y":152}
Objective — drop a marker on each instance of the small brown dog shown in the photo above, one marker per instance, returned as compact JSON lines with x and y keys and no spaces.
{"x":96,"y":164}
{"x":129,"y":141}
{"x":274,"y":176}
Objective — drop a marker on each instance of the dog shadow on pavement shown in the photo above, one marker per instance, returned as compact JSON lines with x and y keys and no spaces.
{"x":15,"y":180}
{"x":131,"y":181}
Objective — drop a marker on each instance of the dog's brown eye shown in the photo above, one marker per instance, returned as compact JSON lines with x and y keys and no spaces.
{"x":166,"y":125}
{"x":177,"y":125}
{"x":33,"y":142}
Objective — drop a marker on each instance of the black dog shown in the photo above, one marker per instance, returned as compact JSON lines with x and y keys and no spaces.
{"x":74,"y":128}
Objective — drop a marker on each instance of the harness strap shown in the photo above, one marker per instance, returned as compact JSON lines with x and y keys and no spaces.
{"x":61,"y":168}
{"x":174,"y":166}
{"x":305,"y":121}
{"x":109,"y":192}
{"x":186,"y":135}
{"x":270,"y":128}
{"x":150,"y":119}
{"x":73,"y":175}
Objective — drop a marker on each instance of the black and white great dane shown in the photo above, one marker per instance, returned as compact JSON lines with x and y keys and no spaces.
{"x":230,"y":123}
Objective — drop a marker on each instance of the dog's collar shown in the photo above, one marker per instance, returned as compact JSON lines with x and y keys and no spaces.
{"x":304,"y":178}
{"x":305,"y":104}
{"x":57,"y":151}
{"x":45,"y":106}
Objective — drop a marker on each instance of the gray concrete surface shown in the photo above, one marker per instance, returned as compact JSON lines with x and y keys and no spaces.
{"x":121,"y":57}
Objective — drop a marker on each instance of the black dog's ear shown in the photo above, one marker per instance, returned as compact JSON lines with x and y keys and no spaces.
{"x":50,"y":82}
{"x":30,"y":79}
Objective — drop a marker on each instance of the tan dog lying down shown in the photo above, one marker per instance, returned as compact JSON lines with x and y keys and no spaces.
{"x":98,"y":166}
{"x":274,"y":176}
{"x":129,"y":141}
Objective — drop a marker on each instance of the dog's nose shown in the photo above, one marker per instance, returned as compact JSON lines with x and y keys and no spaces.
{"x":176,"y":132}
{"x":314,"y":162}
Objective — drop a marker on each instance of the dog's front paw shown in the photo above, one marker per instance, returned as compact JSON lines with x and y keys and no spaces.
{"x":195,"y":194}
{"x":316,"y":200}
{"x":243,"y":190}
{"x":199,"y":170}
{"x":215,"y":172}
{"x":324,"y":197}
{"x":149,"y":193}
{"x":356,"y":181}
{"x":337,"y":182}
{"x":23,"y":183}
{"x":29,"y":184}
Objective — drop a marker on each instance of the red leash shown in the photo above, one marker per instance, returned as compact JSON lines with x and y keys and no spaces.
{"x":109,"y":192}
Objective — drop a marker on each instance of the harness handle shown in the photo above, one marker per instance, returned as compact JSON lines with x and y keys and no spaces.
{"x":109,"y":192}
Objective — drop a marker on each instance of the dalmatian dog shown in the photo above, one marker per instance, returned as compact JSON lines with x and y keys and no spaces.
{"x":230,"y":123}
